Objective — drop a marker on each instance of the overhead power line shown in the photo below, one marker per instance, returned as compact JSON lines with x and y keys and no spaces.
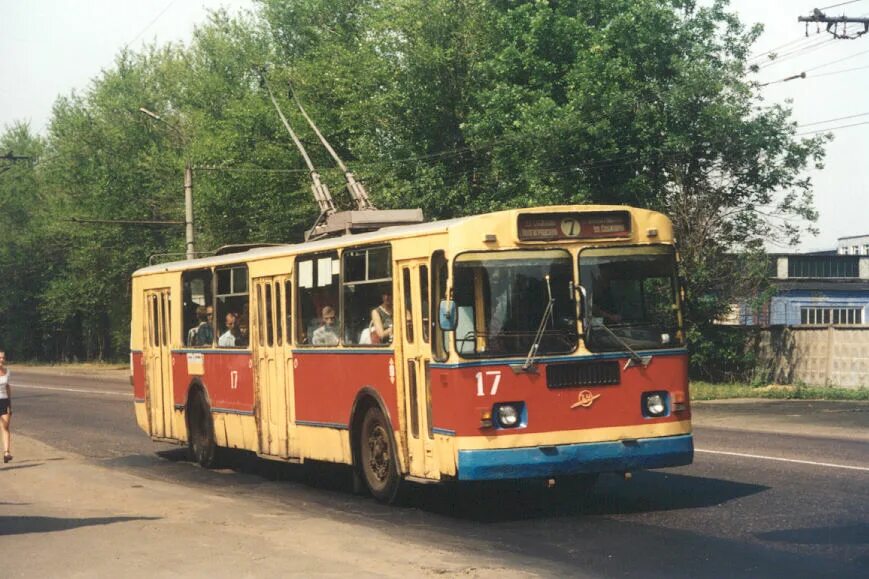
{"x":827,"y":130}
{"x":833,"y":120}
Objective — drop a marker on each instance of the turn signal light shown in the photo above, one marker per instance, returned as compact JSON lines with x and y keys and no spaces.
{"x":486,"y":418}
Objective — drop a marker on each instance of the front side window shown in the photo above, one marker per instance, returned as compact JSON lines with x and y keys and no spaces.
{"x":367,"y":286}
{"x":630,"y":298}
{"x":198,"y":309}
{"x":317,"y":276}
{"x":502,"y":300}
{"x":232,"y":306}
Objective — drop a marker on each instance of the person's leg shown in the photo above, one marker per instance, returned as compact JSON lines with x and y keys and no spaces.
{"x":5,"y":420}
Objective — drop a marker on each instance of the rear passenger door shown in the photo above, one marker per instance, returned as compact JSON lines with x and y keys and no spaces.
{"x":273,"y":359}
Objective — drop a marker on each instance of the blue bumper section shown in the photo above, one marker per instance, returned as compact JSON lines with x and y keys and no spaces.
{"x":567,"y":459}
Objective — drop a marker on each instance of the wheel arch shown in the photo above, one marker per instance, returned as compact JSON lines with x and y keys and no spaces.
{"x":366,"y":398}
{"x":195,"y":388}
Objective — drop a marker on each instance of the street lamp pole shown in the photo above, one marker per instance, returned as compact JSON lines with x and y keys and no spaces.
{"x":188,"y":184}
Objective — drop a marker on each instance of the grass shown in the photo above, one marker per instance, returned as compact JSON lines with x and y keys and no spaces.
{"x":709,"y":391}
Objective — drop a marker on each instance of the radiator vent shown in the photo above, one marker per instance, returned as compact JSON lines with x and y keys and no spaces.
{"x":582,"y":374}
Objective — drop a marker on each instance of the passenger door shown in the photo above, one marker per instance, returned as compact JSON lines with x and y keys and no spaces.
{"x":158,"y":362}
{"x":413,"y":310}
{"x":272,"y":353}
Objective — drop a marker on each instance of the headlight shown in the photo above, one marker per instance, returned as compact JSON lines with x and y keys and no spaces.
{"x":654,"y":404}
{"x":508,"y":416}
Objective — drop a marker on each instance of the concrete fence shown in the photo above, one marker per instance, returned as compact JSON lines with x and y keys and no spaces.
{"x":817,"y":356}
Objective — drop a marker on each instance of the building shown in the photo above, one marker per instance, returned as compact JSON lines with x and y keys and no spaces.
{"x":853,"y":245}
{"x":819,"y":290}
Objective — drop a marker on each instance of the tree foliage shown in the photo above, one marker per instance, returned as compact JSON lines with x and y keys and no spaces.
{"x":455,"y":106}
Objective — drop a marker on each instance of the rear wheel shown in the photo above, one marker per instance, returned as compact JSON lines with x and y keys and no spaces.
{"x":200,"y":432}
{"x":378,"y":461}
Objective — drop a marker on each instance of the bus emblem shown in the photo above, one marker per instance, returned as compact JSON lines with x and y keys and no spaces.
{"x":585,"y":399}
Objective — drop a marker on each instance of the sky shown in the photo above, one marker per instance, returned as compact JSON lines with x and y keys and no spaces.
{"x":50,"y":48}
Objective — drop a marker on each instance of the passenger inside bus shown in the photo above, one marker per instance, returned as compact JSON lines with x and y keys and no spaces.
{"x":243,"y":338}
{"x":227,"y":339}
{"x":326,"y":334}
{"x":381,"y":320}
{"x":202,"y":334}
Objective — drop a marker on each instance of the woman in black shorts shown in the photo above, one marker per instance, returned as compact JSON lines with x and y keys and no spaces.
{"x":5,"y":407}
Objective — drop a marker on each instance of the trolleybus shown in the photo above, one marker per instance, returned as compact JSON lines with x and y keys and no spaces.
{"x":542,"y":342}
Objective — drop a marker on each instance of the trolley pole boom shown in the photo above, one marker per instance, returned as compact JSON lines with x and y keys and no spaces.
{"x":321,"y":192}
{"x":356,"y":189}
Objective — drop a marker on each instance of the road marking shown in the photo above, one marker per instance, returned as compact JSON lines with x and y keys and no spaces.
{"x":763,"y":457}
{"x":80,"y":390}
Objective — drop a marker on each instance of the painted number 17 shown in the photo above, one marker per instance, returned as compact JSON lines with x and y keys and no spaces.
{"x":493,"y":377}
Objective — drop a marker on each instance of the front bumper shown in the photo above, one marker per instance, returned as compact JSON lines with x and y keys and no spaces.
{"x":569,"y":459}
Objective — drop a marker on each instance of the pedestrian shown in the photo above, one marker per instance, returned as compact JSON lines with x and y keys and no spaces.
{"x":5,"y":408}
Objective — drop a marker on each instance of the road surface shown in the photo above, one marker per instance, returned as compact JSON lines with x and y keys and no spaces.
{"x":777,"y":489}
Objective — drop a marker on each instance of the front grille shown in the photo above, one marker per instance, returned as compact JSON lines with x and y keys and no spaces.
{"x":582,"y":374}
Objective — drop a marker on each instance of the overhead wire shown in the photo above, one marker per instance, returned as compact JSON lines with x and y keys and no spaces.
{"x":840,"y":4}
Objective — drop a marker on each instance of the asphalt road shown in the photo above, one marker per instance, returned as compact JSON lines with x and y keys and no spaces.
{"x":754,"y":504}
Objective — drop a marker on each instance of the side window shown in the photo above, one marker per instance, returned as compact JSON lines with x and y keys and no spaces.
{"x":407,"y":290}
{"x":288,"y":309}
{"x":232,"y":305}
{"x":424,"y":302}
{"x":198,"y":308}
{"x":439,"y":275}
{"x":317,"y":277}
{"x":367,"y":288}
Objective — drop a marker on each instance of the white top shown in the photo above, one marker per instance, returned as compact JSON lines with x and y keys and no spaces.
{"x":226,"y":340}
{"x":4,"y":380}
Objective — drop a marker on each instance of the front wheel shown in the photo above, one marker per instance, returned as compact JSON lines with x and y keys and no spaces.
{"x":377,"y":456}
{"x":201,"y":445}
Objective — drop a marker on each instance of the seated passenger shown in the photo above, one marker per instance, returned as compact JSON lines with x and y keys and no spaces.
{"x":327,"y":333}
{"x":202,"y":334}
{"x":381,"y":321}
{"x":243,"y":338}
{"x":227,"y":339}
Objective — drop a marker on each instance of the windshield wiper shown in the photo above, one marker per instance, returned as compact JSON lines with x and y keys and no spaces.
{"x":634,"y":359}
{"x":528,"y":366}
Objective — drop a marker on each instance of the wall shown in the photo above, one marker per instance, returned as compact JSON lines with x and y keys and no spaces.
{"x":823,"y":356}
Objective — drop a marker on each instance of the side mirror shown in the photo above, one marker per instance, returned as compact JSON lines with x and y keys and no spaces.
{"x":448,"y":315}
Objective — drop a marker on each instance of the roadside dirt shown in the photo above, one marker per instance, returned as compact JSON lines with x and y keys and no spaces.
{"x":63,"y":516}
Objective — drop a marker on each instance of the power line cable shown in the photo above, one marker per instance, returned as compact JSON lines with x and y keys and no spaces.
{"x":798,"y":52}
{"x":156,"y":18}
{"x":836,"y":61}
{"x":827,"y":130}
{"x":840,"y":4}
{"x":832,"y":120}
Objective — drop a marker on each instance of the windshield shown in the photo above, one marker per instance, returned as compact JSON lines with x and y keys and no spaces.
{"x":501,"y":299}
{"x":632,"y":292}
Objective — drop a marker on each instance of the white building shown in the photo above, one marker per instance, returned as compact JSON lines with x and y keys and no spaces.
{"x":853,"y":245}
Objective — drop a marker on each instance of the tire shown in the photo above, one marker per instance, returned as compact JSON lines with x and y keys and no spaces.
{"x":201,"y":445}
{"x":378,"y":461}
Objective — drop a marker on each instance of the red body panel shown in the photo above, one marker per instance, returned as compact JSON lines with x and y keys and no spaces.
{"x":138,"y":376}
{"x":457,"y":407}
{"x":327,"y":383}
{"x":226,"y":391}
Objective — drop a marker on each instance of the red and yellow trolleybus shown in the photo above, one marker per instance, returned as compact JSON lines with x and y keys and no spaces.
{"x":542,"y":342}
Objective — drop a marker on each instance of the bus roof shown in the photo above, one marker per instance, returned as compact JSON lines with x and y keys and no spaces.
{"x":384,"y":234}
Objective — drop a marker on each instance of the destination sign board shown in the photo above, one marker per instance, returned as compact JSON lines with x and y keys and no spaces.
{"x":573,"y":225}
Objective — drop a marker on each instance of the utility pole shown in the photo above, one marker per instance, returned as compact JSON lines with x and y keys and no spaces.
{"x":833,"y":23}
{"x":188,"y":183}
